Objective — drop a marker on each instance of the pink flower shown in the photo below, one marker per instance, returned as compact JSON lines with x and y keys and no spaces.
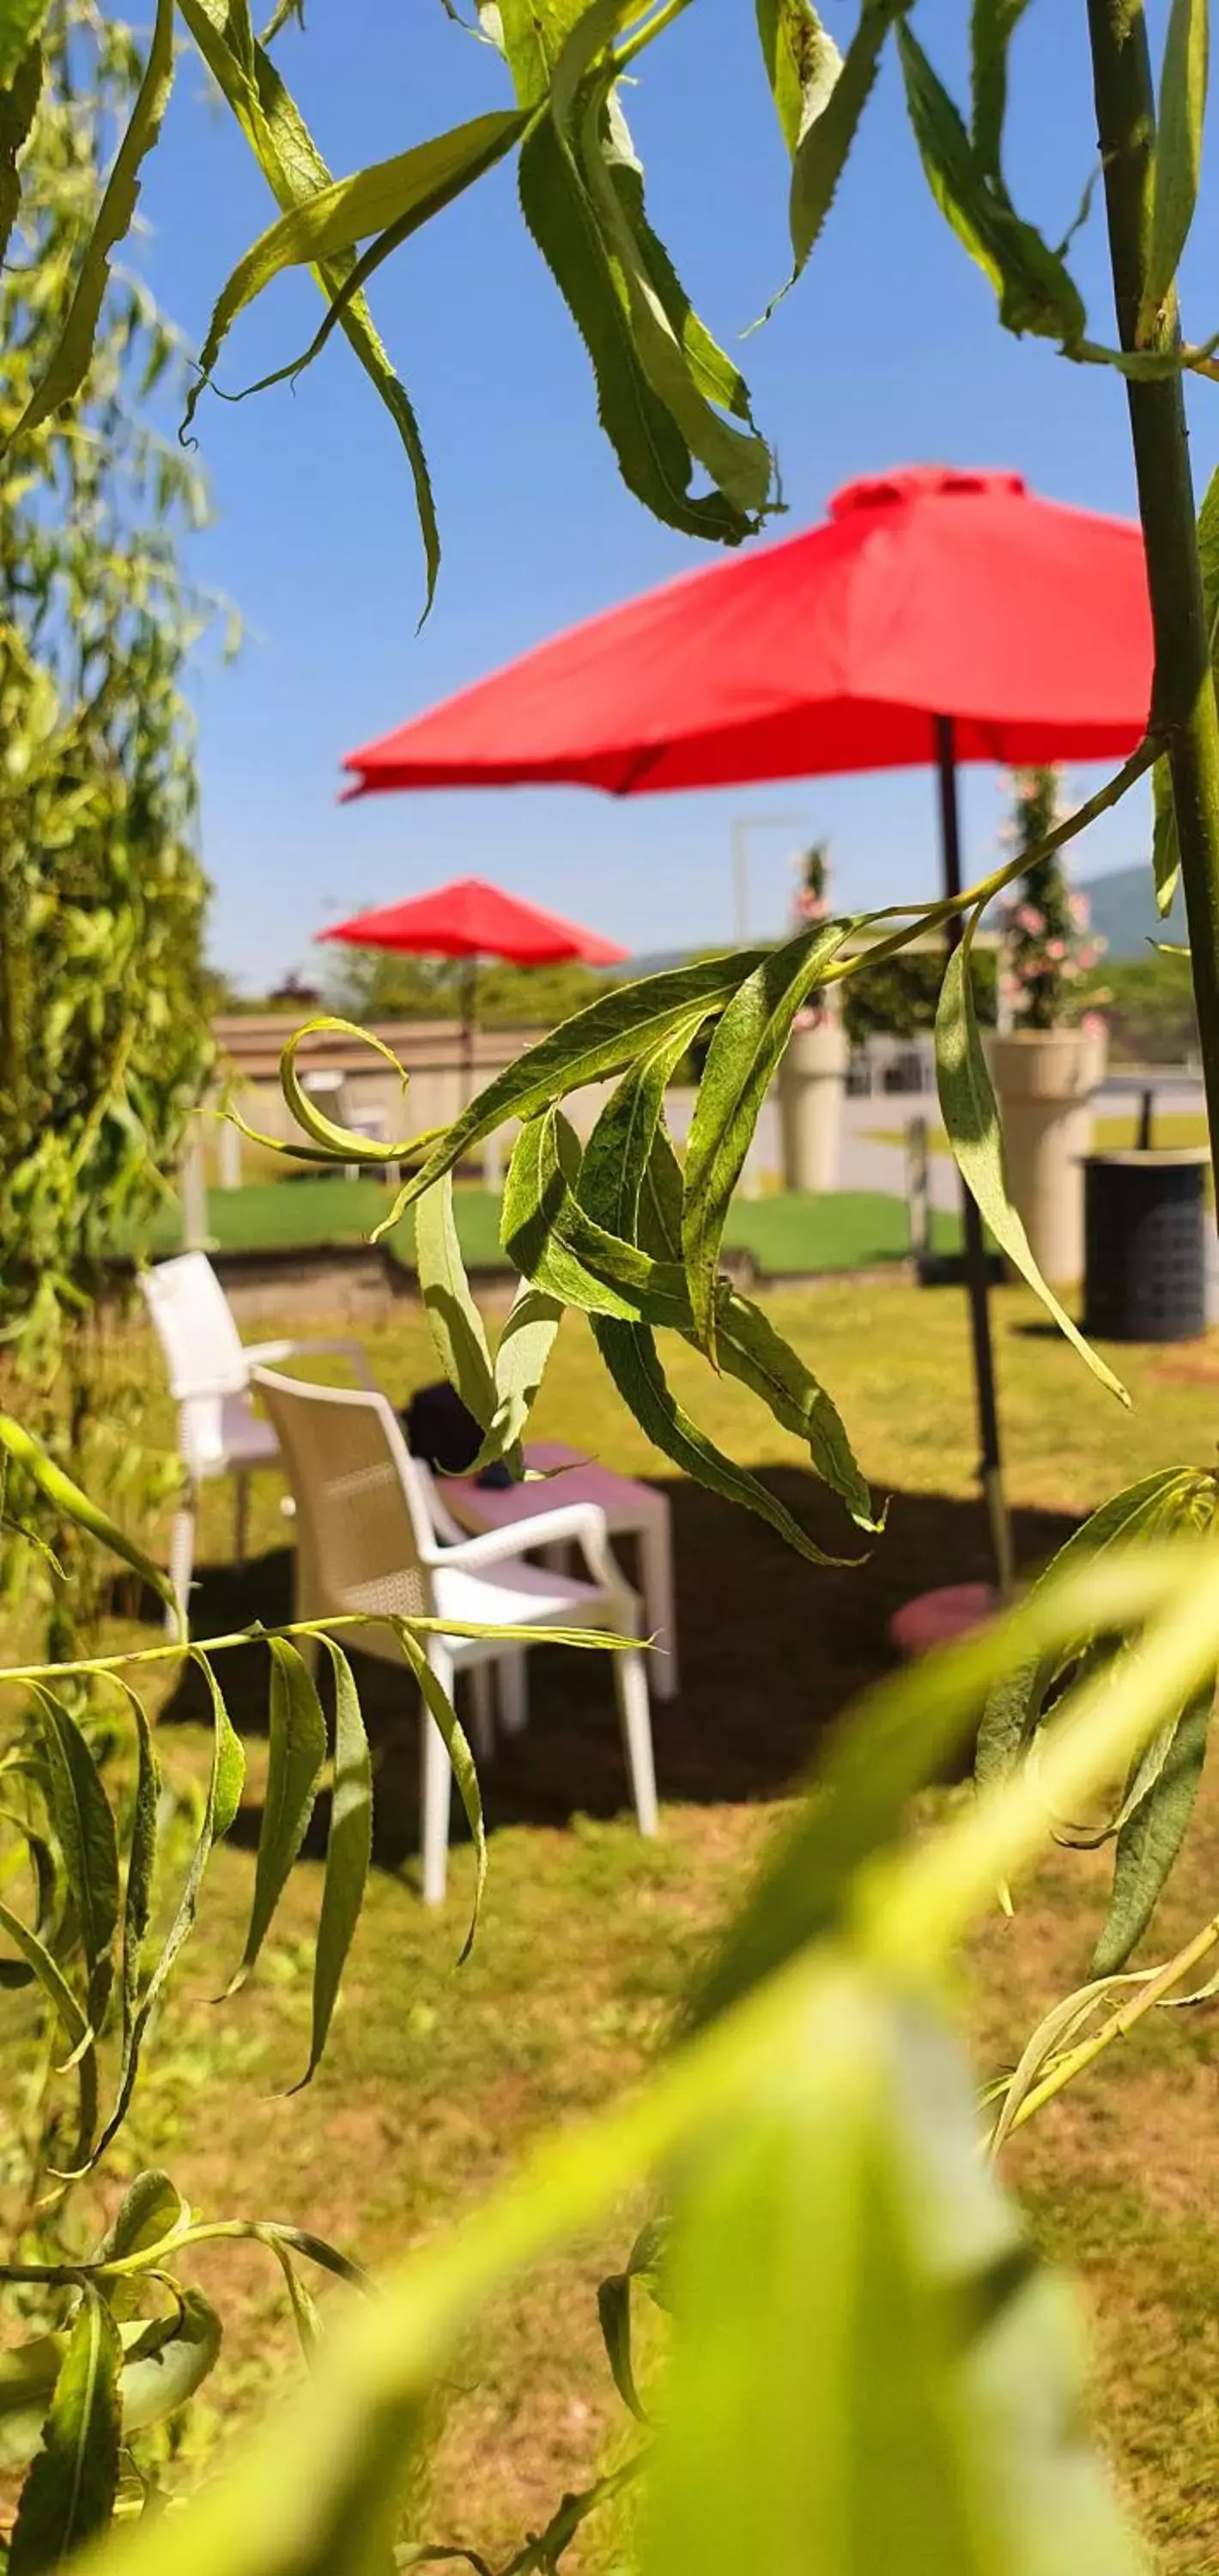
{"x":1057,"y":949}
{"x":1092,"y":1024}
{"x":1080,"y":910}
{"x":1030,"y":919}
{"x":811,"y":907}
{"x":1092,"y":951}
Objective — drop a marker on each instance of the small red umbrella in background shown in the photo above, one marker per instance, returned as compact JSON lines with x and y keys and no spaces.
{"x":469,"y":919}
{"x":937,"y":615}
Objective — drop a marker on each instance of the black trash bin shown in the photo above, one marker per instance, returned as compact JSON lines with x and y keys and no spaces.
{"x":1145,"y":1245}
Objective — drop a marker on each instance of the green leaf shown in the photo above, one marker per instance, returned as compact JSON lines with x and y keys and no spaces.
{"x":524,"y":1348}
{"x":593,"y":1045}
{"x":971,"y":1117}
{"x":1035,"y":289}
{"x":74,"y":2022}
{"x":70,"y":360}
{"x":829,"y":127}
{"x":614,"y":1169}
{"x":161,"y":2370}
{"x":84,"y":1825}
{"x":402,"y":194}
{"x":1176,"y":153}
{"x":993,"y":23}
{"x":689,"y":379}
{"x":453,"y":1318}
{"x":225,"y":1781}
{"x":21,"y":25}
{"x":438,"y":1706}
{"x":741,"y":1064}
{"x":150,"y":2215}
{"x":1165,"y":845}
{"x":614,"y":2309}
{"x":630,"y":1354}
{"x":1065,"y":2023}
{"x":553,"y":1241}
{"x":67,"y":1497}
{"x":838,"y":2211}
{"x":348,"y":1852}
{"x":1152,"y":1836}
{"x":294,"y":170}
{"x":1141,"y":1511}
{"x":752,"y":1351}
{"x":662,"y":384}
{"x":68,"y":2497}
{"x":802,"y":63}
{"x":141,"y":1859}
{"x":296,"y":1753}
{"x":19,"y":95}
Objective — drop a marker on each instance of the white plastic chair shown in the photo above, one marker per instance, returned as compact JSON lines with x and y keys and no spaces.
{"x":219,"y":1433}
{"x":372,"y":1535}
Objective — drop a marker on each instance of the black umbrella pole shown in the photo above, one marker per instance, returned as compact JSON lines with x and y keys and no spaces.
{"x":976,"y":1283}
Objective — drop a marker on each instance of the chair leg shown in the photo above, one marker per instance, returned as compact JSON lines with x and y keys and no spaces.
{"x":241,"y":1515}
{"x":482,"y":1712}
{"x":630,"y":1682}
{"x":182,"y":1555}
{"x":435,"y":1783}
{"x":513,"y":1691}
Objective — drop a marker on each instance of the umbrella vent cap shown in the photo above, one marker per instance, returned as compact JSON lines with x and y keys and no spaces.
{"x":922,"y":482}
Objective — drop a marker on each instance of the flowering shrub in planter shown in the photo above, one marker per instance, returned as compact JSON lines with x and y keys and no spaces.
{"x":1049,"y":943}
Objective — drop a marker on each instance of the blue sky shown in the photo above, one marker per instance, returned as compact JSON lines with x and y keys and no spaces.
{"x":889,"y":352}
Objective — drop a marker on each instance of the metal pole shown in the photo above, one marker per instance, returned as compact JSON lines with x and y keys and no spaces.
{"x":740,"y":883}
{"x":469,"y":1012}
{"x":991,"y":1465}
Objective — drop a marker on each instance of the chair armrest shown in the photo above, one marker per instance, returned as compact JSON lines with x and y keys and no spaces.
{"x":268,"y":1354}
{"x":582,"y":1522}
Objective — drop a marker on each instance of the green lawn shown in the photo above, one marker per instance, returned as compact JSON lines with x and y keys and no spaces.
{"x":787,"y":1235}
{"x":437,"y":2081}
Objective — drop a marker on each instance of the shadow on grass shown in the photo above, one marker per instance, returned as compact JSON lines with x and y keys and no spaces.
{"x":771,"y":1650}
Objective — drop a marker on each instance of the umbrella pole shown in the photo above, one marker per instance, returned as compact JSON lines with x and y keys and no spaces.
{"x":991,"y":1464}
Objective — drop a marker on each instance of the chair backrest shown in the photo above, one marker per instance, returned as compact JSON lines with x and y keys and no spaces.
{"x":195,"y":1327}
{"x":364,"y":1517}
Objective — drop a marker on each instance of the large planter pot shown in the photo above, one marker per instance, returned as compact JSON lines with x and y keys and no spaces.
{"x":812,"y":1088}
{"x":1045,"y":1079}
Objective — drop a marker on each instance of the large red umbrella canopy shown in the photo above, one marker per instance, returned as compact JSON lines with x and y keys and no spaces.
{"x":927,"y":593}
{"x":472,"y":919}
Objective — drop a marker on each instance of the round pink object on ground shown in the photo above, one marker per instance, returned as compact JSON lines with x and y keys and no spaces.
{"x":935,"y":1618}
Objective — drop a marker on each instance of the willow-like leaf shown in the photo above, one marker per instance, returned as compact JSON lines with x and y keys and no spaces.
{"x":348,"y":1852}
{"x":553,"y":1241}
{"x":1141,"y":1511}
{"x":71,"y":358}
{"x":840,"y":2209}
{"x":438,"y":1707}
{"x":21,"y":25}
{"x":84,"y":1825}
{"x":161,"y":2370}
{"x":592,"y":1046}
{"x":225,"y":1781}
{"x":453,"y":1318}
{"x":524,"y":1348}
{"x":992,"y":25}
{"x":297,"y":1750}
{"x":19,"y":95}
{"x":971,"y":1117}
{"x":67,"y":1497}
{"x":68,"y":2497}
{"x":630,"y":1354}
{"x":1065,"y":2022}
{"x":403,"y":193}
{"x":1150,"y":1840}
{"x":1035,"y":289}
{"x":1176,"y":152}
{"x":752,"y":1351}
{"x":151,"y":2214}
{"x":829,"y":125}
{"x":614,"y":2310}
{"x":321,"y":1130}
{"x":73,"y":2021}
{"x":294,"y":170}
{"x":141,"y":1860}
{"x":741,"y":1063}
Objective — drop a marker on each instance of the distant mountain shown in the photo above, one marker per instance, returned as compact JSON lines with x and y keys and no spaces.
{"x":1124,"y":912}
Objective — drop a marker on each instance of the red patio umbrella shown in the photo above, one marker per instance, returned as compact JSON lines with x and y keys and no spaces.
{"x":937,"y":615}
{"x":470,"y":919}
